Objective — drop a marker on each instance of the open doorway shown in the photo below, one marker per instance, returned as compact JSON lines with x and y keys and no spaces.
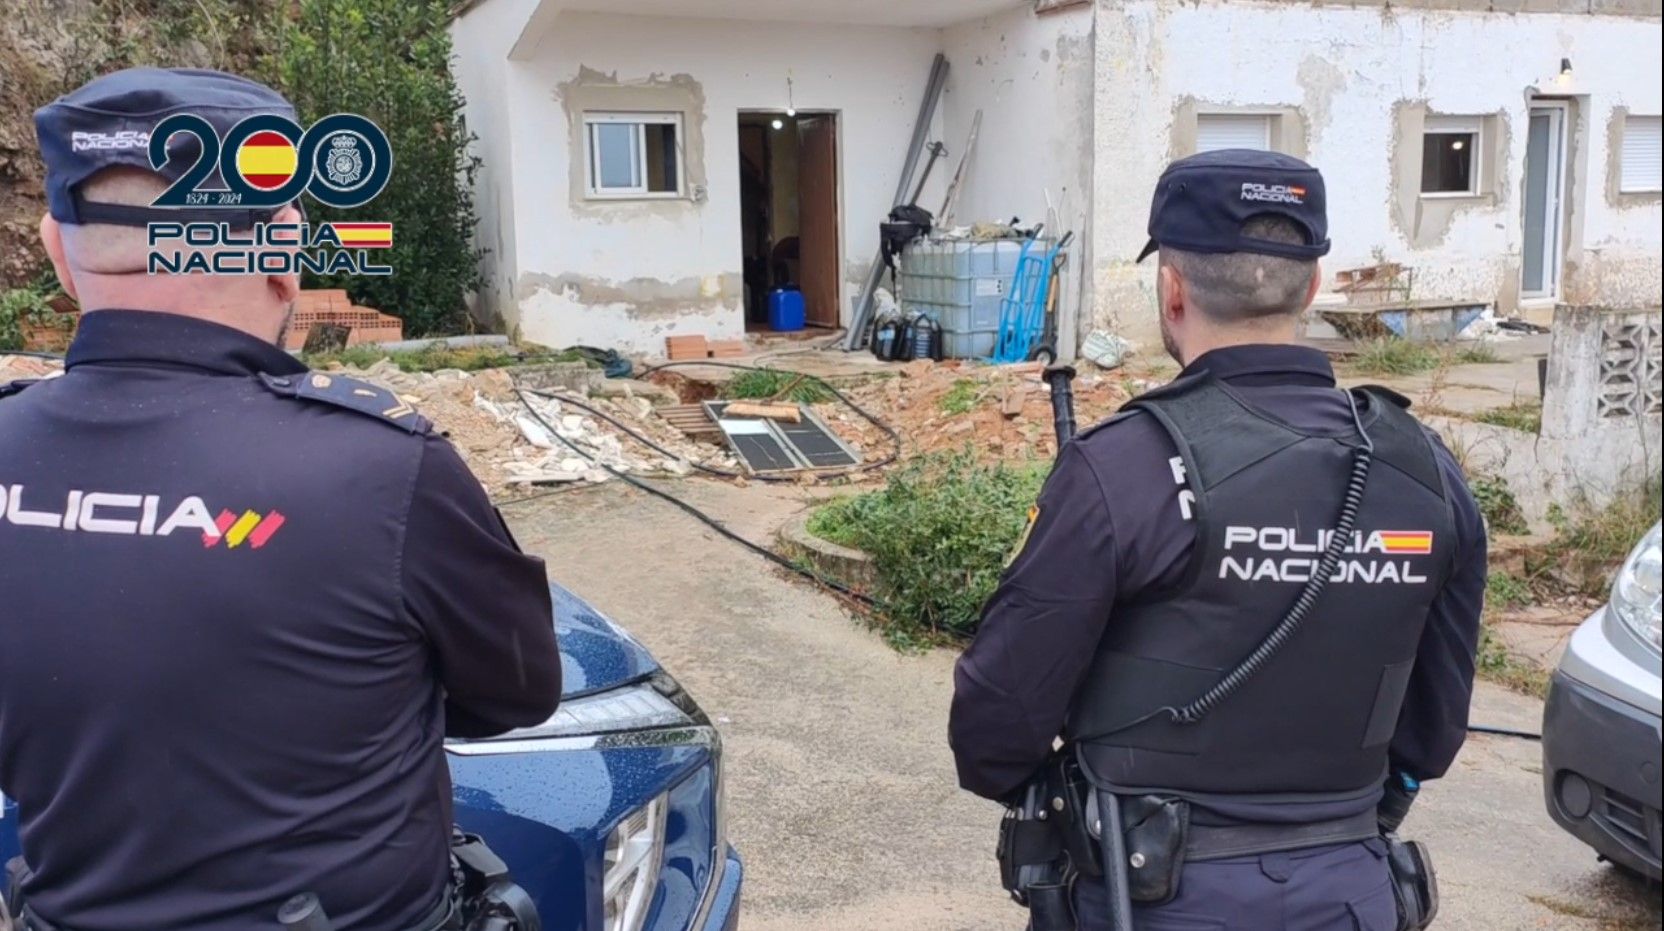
{"x":789,"y":212}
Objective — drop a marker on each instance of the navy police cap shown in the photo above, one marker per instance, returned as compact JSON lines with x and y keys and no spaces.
{"x":1202,"y":203}
{"x":106,"y":123}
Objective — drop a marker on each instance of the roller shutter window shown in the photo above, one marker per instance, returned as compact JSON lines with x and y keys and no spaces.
{"x":1640,"y":159}
{"x":1233,"y":131}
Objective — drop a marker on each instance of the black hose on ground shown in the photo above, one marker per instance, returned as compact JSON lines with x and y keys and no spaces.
{"x":645,"y":440}
{"x":889,"y":431}
{"x":768,"y":554}
{"x":1502,"y":732}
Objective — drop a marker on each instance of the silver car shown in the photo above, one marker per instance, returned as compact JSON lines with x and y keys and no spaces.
{"x":1601,"y":730}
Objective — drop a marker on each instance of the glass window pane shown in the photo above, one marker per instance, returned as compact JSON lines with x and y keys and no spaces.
{"x":1447,"y":163}
{"x":662,"y":175}
{"x":617,"y":159}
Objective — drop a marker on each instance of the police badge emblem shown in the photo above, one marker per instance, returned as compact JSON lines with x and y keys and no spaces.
{"x":345,"y":162}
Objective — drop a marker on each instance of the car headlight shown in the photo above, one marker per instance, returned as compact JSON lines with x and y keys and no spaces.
{"x":632,"y":708}
{"x":1636,"y":591}
{"x":634,"y":849}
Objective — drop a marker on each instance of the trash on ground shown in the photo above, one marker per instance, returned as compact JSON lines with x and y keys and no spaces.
{"x":1105,"y":350}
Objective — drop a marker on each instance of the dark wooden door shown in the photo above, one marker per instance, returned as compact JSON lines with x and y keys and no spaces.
{"x":817,"y":206}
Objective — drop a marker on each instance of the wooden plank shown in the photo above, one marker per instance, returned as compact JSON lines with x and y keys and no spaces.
{"x":787,"y":412}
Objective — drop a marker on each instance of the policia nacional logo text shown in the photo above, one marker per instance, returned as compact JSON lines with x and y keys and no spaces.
{"x":1285,"y":554}
{"x":266,"y":162}
{"x":134,"y":515}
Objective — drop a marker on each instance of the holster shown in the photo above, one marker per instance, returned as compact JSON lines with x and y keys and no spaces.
{"x":1414,"y":885}
{"x":1156,"y":828}
{"x":490,"y":898}
{"x":11,"y":895}
{"x":1046,"y":841}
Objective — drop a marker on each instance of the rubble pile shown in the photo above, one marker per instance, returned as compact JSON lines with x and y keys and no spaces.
{"x":17,"y":368}
{"x":999,"y":412}
{"x":484,"y":417}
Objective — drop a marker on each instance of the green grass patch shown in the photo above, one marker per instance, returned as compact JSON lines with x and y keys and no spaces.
{"x":1496,"y":664}
{"x":1498,"y":505}
{"x":938,"y":533}
{"x":961,"y":398}
{"x":772,"y":384}
{"x":1396,"y":357}
{"x":1525,"y":416}
{"x":1504,"y":591}
{"x":1475,"y":354}
{"x":436,"y":357}
{"x":1586,"y":550}
{"x":836,"y":522}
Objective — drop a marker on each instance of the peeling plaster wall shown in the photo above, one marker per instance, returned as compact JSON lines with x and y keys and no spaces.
{"x":1031,"y":76}
{"x":1345,"y":70}
{"x":482,"y":47}
{"x":626,"y":274}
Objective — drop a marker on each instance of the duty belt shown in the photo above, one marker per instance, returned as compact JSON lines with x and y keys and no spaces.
{"x":1216,"y":842}
{"x":444,"y":917}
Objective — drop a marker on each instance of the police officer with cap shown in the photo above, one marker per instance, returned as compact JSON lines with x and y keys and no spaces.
{"x":1248,"y":604}
{"x":241,"y":604}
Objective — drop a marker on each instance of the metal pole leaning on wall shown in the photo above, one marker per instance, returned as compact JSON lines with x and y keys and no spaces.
{"x":857,"y":334}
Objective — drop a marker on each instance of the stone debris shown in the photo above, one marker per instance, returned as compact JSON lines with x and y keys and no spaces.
{"x":17,"y":368}
{"x":1010,"y":420}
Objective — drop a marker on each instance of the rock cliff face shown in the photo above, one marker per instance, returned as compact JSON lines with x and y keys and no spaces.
{"x":48,"y":47}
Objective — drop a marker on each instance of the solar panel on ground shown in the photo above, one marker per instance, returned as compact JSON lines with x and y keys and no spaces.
{"x":778,"y":446}
{"x":816,"y":445}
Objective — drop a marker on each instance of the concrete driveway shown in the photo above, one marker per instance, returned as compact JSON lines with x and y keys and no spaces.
{"x":841,"y":788}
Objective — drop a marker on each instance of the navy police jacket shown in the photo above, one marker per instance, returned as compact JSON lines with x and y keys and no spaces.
{"x":1113,"y":532}
{"x":241,"y":605}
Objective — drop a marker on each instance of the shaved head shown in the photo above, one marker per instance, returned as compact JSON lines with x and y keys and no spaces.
{"x":105,"y":249}
{"x":104,"y":265}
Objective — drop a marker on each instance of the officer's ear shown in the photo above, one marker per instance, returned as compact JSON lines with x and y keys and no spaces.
{"x":52,"y":237}
{"x":286,"y":287}
{"x":1313,"y":286}
{"x":1170,"y":291}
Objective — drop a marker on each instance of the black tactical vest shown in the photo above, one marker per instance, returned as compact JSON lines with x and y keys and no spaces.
{"x":1317,"y":718}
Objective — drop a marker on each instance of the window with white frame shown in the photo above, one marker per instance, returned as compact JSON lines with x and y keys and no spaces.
{"x":1450,"y":156}
{"x":1216,"y":131}
{"x":634,"y":154}
{"x":1639,"y":159}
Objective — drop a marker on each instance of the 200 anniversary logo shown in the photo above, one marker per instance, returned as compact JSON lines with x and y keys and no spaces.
{"x":267,"y":162}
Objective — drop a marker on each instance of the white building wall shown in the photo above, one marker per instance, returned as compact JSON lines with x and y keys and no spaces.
{"x":1345,"y":69}
{"x":479,"y":62}
{"x":628,"y":274}
{"x":1031,"y":77}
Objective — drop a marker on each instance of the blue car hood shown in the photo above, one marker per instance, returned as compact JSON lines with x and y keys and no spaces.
{"x":595,"y":653}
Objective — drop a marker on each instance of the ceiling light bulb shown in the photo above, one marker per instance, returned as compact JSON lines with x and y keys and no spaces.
{"x":1458,"y":144}
{"x":778,"y":124}
{"x":791,"y":111}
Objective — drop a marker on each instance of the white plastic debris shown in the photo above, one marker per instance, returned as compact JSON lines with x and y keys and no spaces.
{"x":1106,"y":350}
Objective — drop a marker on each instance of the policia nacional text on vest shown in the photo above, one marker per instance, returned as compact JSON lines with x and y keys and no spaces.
{"x":1259,"y":676}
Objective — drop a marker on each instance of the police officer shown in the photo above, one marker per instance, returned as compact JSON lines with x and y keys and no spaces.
{"x":241,"y":604}
{"x":1172,"y":540}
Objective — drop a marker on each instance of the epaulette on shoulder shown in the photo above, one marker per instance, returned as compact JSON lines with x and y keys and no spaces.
{"x":350,"y":394}
{"x":1388,"y":394}
{"x":16,"y":387}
